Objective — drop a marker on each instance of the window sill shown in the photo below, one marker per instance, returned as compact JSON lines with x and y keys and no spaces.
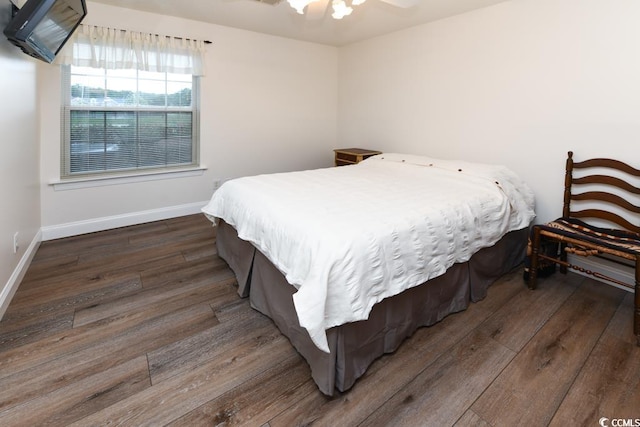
{"x":88,"y":182}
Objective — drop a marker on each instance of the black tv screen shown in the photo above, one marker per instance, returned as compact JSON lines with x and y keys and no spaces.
{"x":41,"y":27}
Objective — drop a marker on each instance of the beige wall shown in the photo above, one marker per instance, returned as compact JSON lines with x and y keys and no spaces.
{"x":518,"y":83}
{"x":19,"y":162}
{"x":268,"y":105}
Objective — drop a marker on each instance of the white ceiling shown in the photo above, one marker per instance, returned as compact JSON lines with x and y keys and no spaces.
{"x":371,"y":19}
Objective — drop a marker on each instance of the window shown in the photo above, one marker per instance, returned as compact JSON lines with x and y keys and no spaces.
{"x":127,"y":121}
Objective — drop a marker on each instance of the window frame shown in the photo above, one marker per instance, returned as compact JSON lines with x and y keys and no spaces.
{"x":101,"y":175}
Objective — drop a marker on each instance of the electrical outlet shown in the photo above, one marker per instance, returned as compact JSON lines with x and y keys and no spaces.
{"x":15,"y":243}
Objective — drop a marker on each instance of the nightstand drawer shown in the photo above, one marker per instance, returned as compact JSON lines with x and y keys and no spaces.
{"x":351,"y":156}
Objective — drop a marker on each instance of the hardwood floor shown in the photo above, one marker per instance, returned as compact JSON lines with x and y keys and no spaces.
{"x":142,"y":326}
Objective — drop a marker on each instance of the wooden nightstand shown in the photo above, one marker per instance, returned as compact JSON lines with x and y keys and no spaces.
{"x":351,"y":156}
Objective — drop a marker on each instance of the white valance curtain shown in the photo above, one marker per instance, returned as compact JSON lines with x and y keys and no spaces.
{"x":101,"y":47}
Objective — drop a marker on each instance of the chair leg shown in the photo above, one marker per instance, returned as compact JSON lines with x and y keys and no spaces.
{"x":563,"y":257}
{"x":533,"y":261}
{"x":636,"y":312}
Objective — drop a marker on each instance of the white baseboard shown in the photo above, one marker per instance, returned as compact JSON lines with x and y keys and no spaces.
{"x":14,"y":281}
{"x":115,"y":221}
{"x":608,"y":268}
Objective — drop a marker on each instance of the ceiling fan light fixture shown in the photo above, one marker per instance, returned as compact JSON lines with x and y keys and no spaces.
{"x":340,"y":9}
{"x":299,"y":5}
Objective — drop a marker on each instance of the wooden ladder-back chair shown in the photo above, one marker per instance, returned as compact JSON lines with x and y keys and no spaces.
{"x":611,"y":190}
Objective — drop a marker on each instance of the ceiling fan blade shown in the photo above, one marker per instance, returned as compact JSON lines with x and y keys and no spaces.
{"x":317,"y":9}
{"x":402,"y":3}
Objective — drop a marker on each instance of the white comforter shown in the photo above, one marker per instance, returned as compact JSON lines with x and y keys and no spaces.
{"x":348,"y":237}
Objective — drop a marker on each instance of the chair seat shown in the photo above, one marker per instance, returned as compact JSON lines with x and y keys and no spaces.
{"x":615,"y":239}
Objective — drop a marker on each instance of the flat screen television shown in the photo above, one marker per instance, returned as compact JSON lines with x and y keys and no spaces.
{"x":41,"y":27}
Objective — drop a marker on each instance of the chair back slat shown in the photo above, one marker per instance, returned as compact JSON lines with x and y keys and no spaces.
{"x":607,"y":163}
{"x":608,"y":216}
{"x":607,"y":180}
{"x":608,"y":198}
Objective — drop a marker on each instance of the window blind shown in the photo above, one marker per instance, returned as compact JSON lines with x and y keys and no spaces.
{"x":127,"y":121}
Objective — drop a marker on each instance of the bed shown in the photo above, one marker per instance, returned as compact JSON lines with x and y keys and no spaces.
{"x":350,"y":261}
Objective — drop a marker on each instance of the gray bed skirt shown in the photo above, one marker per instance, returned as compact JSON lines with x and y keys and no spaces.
{"x":354,"y":346}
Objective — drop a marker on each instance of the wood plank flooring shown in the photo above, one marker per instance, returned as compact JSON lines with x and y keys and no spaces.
{"x":142,"y":326}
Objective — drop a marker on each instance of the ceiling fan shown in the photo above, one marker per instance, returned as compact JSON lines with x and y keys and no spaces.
{"x":315,"y":9}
